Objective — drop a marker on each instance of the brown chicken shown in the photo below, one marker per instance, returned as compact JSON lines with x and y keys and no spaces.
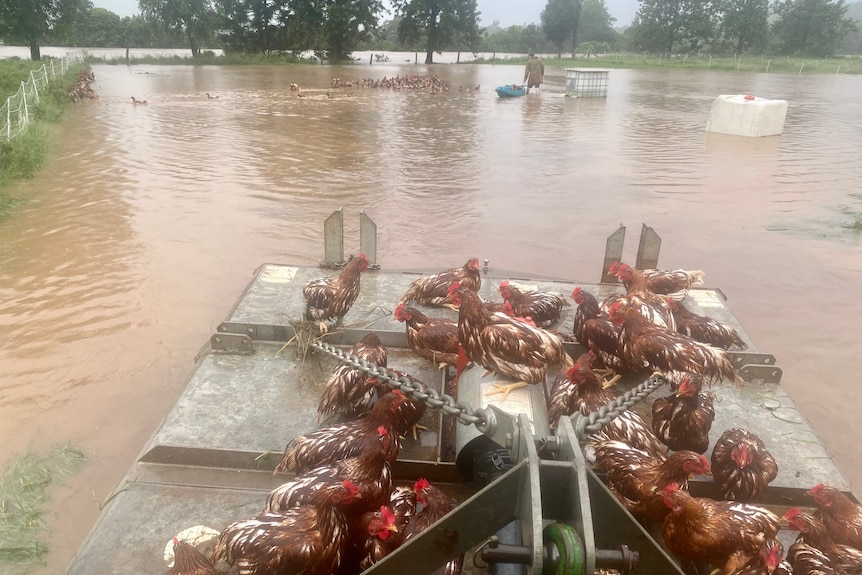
{"x":715,"y":532}
{"x":372,"y":474}
{"x":742,"y":467}
{"x":349,"y":390}
{"x":189,"y":561}
{"x":844,"y":559}
{"x":705,"y":329}
{"x":595,"y":330}
{"x":808,"y":560}
{"x":543,"y":307}
{"x":373,"y":536}
{"x":683,"y":420}
{"x":504,"y":345}
{"x":431,"y":504}
{"x":579,"y":389}
{"x":637,"y":478}
{"x":638,"y":296}
{"x":434,"y":289}
{"x":435,"y":339}
{"x":356,"y":438}
{"x":841,"y":516}
{"x":309,"y":539}
{"x":332,"y":297}
{"x":768,"y":561}
{"x":644,"y":345}
{"x":668,"y":282}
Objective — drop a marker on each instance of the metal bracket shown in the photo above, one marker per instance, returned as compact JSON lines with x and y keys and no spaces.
{"x":764,"y":373}
{"x":647,"y":256}
{"x":231,"y":343}
{"x":613,"y":253}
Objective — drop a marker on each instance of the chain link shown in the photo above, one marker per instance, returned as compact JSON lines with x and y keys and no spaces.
{"x":586,"y":425}
{"x":409,"y":386}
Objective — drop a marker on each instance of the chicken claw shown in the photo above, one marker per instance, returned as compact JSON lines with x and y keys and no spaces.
{"x":606,"y":383}
{"x":507,"y":388}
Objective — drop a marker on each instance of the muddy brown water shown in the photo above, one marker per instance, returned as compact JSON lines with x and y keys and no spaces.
{"x":134,"y":242}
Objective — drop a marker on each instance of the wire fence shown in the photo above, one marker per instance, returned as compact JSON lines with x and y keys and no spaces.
{"x":15,"y":112}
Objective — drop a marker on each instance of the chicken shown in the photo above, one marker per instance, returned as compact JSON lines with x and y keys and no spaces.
{"x":638,"y":296}
{"x":579,"y":389}
{"x":644,"y":345}
{"x":356,"y":438}
{"x":434,"y":289}
{"x":189,"y":561}
{"x":372,"y":474}
{"x":769,"y":560}
{"x":668,"y":282}
{"x":715,"y":532}
{"x":841,"y":516}
{"x":435,"y":339}
{"x":808,"y":560}
{"x":543,"y":307}
{"x":637,"y":478}
{"x":350,"y":390}
{"x":373,"y":536}
{"x":309,"y":539}
{"x":431,"y":504}
{"x":683,"y":420}
{"x":504,"y":345}
{"x":705,"y":329}
{"x":594,"y":329}
{"x":332,"y":297}
{"x":741,"y":465}
{"x":844,"y":559}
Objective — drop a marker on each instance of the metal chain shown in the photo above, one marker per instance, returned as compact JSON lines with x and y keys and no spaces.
{"x":586,"y":425}
{"x":410,"y":386}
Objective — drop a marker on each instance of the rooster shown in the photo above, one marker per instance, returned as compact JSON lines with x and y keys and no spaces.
{"x":674,"y":283}
{"x":844,"y":559}
{"x":683,"y":420}
{"x":504,"y":345}
{"x":644,"y":345}
{"x":638,"y":296}
{"x":431,"y":504}
{"x":307,"y":540}
{"x":356,"y":438}
{"x":595,"y":330}
{"x":741,"y":465}
{"x":705,"y":329}
{"x":374,"y":535}
{"x":841,"y":516}
{"x":715,"y":532}
{"x":189,"y":561}
{"x":543,"y":307}
{"x":435,"y":339}
{"x":350,"y":390}
{"x":579,"y":389}
{"x":434,"y":289}
{"x":372,"y":474}
{"x":327,"y":298}
{"x":637,"y":478}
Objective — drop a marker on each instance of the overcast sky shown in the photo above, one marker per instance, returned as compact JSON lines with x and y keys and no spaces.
{"x":507,"y":12}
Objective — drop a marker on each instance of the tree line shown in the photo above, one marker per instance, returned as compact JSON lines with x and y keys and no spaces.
{"x":335,"y":28}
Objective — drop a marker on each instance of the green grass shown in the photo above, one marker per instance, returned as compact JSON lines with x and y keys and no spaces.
{"x":207,"y":58}
{"x":23,"y":495}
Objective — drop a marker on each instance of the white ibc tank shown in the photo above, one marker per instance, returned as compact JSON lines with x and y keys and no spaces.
{"x":747,"y":116}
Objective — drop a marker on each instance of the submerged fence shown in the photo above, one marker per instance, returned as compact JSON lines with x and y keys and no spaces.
{"x":15,"y":113}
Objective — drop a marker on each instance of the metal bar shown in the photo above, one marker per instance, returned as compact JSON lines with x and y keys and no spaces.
{"x":613,"y":253}
{"x":648,"y":249}
{"x":530,"y":504}
{"x":231,"y":343}
{"x":333,"y":238}
{"x":368,"y":237}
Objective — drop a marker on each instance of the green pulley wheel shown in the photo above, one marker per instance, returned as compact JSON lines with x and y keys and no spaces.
{"x":564,"y":551}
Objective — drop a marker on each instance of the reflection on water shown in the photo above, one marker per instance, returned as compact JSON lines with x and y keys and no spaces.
{"x":138,"y":237}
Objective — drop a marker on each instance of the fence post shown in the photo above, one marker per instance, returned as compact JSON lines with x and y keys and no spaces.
{"x":8,"y":119}
{"x":24,"y":99}
{"x":35,"y":89}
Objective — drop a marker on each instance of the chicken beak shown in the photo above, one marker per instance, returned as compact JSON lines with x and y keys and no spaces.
{"x":393,"y":528}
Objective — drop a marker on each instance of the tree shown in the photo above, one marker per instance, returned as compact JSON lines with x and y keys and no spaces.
{"x":596,"y":24}
{"x":467,"y":33}
{"x":437,"y":20}
{"x":97,"y":27}
{"x":196,"y":19}
{"x":560,"y":22}
{"x":811,"y":27}
{"x":254,"y":26}
{"x":347,"y":22}
{"x":663,"y":25}
{"x":744,"y":24}
{"x":30,"y":22}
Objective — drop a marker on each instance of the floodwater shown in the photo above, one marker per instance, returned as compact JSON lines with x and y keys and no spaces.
{"x":134,"y":242}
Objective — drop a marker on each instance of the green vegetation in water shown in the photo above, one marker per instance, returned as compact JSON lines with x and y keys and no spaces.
{"x":23,"y":496}
{"x":24,"y":155}
{"x":856,"y":224}
{"x":206,"y":58}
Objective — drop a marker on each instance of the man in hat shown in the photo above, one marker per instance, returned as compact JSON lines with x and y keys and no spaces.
{"x":534,"y":72}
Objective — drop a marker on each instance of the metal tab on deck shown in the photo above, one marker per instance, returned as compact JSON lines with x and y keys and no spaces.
{"x":368,"y":238}
{"x":613,"y":253}
{"x":648,"y":249}
{"x":231,"y":343}
{"x":333,"y":239}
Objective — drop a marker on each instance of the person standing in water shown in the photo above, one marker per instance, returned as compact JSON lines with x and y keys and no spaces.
{"x":534,"y":72}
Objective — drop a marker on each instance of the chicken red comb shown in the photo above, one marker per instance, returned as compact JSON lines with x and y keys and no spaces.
{"x":454,"y":287}
{"x":398,"y":309}
{"x":504,"y":283}
{"x":814,"y":491}
{"x":387,"y":514}
{"x":613,"y":267}
{"x":350,"y":486}
{"x":398,"y":393}
{"x":473,"y":263}
{"x":615,"y":308}
{"x":381,"y":431}
{"x":792,"y":514}
{"x":176,"y":541}
{"x":421,"y":484}
{"x":576,"y":291}
{"x":363,"y":257}
{"x":671,"y":488}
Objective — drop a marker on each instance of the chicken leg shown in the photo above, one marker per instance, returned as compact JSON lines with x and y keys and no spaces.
{"x":507,"y":388}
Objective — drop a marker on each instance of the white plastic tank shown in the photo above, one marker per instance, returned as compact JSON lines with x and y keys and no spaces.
{"x":746,"y":115}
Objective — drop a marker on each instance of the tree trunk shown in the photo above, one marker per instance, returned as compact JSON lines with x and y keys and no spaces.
{"x":193,"y":44}
{"x":35,"y":52}
{"x":432,"y":40}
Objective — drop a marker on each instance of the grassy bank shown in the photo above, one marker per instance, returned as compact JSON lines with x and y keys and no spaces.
{"x":22,"y":157}
{"x":207,"y":58}
{"x":765,"y":64}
